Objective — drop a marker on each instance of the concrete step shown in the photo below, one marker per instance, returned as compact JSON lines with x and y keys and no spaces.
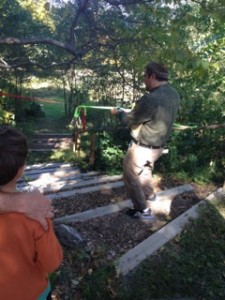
{"x":53,"y":173}
{"x":68,"y":186}
{"x":44,"y":166}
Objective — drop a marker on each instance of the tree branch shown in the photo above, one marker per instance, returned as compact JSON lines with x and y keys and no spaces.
{"x":82,"y":7}
{"x":35,"y":64}
{"x":212,"y":126}
{"x":32,"y":41}
{"x":127,"y":2}
{"x":78,"y":50}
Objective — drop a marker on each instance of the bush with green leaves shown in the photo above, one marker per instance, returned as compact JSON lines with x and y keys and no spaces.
{"x":196,"y":153}
{"x":110,"y":151}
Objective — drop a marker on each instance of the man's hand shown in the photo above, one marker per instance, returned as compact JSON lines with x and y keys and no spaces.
{"x":37,"y":207}
{"x":114,"y":111}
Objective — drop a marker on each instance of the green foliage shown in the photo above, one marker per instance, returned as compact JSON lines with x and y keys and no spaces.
{"x":34,"y":111}
{"x":70,"y":157}
{"x":196,"y":153}
{"x":6,"y":117}
{"x":55,"y":156}
{"x":113,"y":45}
{"x":100,"y":119}
{"x":95,"y":286}
{"x":110,"y":151}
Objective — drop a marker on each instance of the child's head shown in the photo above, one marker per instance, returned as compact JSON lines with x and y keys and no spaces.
{"x":13,"y":153}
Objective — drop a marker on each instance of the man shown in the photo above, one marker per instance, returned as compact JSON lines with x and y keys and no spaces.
{"x":34,"y":205}
{"x":150,"y":122}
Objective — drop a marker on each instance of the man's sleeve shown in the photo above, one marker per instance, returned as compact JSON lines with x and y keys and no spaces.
{"x":140,"y":113}
{"x":49,"y":253}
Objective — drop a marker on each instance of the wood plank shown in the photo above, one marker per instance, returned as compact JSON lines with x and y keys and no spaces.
{"x":41,"y":150}
{"x":94,"y":213}
{"x":66,"y":179}
{"x":50,"y":168}
{"x":47,"y":165}
{"x":90,"y":189}
{"x":47,"y":185}
{"x":50,"y":175}
{"x":44,"y":135}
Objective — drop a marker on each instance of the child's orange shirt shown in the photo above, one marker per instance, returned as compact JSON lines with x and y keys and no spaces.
{"x":27,"y":255}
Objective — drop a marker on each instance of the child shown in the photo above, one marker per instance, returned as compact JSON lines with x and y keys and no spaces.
{"x":27,"y":252}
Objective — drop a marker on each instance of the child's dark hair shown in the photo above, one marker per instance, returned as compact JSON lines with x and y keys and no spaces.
{"x":13,"y":153}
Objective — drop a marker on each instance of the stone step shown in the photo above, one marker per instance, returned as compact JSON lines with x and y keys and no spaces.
{"x":44,"y":166}
{"x":37,"y":172}
{"x":85,"y":190}
{"x":50,"y":141}
{"x":68,"y":186}
{"x":46,"y":135}
{"x":46,"y":173}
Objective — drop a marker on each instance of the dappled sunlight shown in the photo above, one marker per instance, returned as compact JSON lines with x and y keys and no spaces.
{"x":217,"y":200}
{"x":106,"y":191}
{"x":47,"y":180}
{"x":157,"y":182}
{"x":162,"y":206}
{"x":221,"y":209}
{"x":165,"y":200}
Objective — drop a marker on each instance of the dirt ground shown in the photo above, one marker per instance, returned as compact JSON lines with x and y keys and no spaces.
{"x":109,"y":237}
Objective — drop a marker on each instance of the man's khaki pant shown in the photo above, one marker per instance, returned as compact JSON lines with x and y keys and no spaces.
{"x":137,"y":173}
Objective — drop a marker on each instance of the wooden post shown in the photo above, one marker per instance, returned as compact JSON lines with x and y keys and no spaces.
{"x":92,"y":149}
{"x":76,"y":143}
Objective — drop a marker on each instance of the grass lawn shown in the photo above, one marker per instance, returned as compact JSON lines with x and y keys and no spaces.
{"x":52,"y":104}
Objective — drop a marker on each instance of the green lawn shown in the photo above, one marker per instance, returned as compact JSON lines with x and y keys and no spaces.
{"x":52,"y":104}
